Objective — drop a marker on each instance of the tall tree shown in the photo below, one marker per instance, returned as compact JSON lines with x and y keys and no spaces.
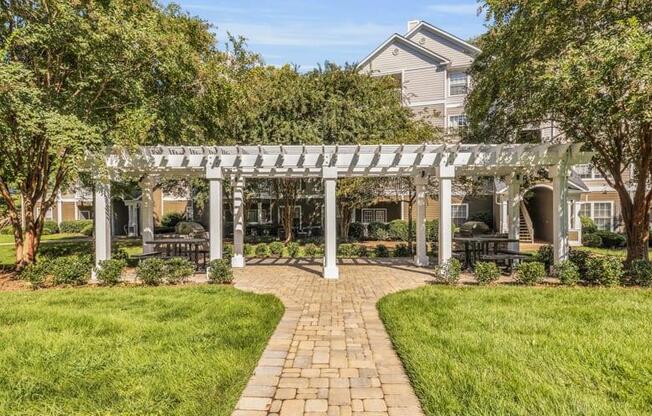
{"x":78,"y":75}
{"x":586,"y":66}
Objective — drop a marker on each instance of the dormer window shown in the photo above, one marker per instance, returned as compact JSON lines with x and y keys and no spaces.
{"x":458,"y":82}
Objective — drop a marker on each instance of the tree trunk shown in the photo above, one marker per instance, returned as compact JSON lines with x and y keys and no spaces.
{"x":345,"y":220}
{"x":410,"y":222}
{"x":636,"y":216}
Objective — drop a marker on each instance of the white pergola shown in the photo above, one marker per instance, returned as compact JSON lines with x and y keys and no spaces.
{"x":237,"y":163}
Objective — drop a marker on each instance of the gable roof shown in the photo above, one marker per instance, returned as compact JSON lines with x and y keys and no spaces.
{"x":402,"y":39}
{"x":449,"y":36}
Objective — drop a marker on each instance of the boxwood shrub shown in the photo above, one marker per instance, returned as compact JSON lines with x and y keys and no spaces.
{"x":262,"y":250}
{"x":402,"y":250}
{"x":377,"y":231}
{"x":450,"y":271}
{"x":293,"y":248}
{"x":591,"y":240}
{"x":50,"y":227}
{"x":178,"y":270}
{"x":530,"y":273}
{"x":356,"y":231}
{"x":36,"y":274}
{"x":276,"y":248}
{"x":151,"y":271}
{"x":311,"y":250}
{"x":381,"y":250}
{"x":486,"y":272}
{"x":219,"y":271}
{"x":568,"y":273}
{"x":109,"y":271}
{"x":75,"y":227}
{"x":71,"y":270}
{"x":605,"y":270}
{"x":640,"y":273}
{"x":398,"y":230}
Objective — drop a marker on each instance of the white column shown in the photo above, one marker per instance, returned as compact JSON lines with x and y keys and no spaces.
{"x":102,"y":224}
{"x":513,"y":209}
{"x":147,"y":212}
{"x":578,"y":221}
{"x":238,"y":222}
{"x":330,"y":223}
{"x":216,"y":204}
{"x":59,"y":208}
{"x":559,"y":176}
{"x":445,"y":175}
{"x":421,"y":257}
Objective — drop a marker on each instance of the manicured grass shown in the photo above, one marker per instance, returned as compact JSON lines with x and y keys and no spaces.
{"x":618,"y":252}
{"x":518,"y":350}
{"x":130,"y":351}
{"x":9,"y":239}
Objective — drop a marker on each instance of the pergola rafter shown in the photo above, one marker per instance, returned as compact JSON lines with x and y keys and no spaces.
{"x":330,"y":162}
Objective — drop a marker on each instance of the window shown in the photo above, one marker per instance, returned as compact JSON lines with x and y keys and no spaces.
{"x":296,"y":220}
{"x":600,"y":212}
{"x":458,"y":82}
{"x":460,"y":213}
{"x":252,"y":215}
{"x":259,"y":213}
{"x":456,"y":122}
{"x":374,"y":215}
{"x":85,"y":214}
{"x":587,"y":172}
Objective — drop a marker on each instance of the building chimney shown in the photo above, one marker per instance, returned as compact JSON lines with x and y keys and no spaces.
{"x":412,"y":24}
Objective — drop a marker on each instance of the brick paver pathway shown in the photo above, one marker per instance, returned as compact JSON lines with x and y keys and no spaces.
{"x":330,"y":354}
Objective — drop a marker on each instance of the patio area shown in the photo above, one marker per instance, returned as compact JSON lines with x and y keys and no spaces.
{"x":330,"y":353}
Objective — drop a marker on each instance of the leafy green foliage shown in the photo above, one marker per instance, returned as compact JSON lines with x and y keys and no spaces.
{"x":262,"y":250}
{"x":378,"y":231}
{"x":276,"y":248}
{"x":640,"y":273}
{"x":402,"y":250}
{"x":110,"y":271}
{"x":171,"y":219}
{"x":580,"y":258}
{"x":486,"y":272}
{"x":588,"y":225}
{"x":71,"y":270}
{"x":35,"y":274}
{"x":50,"y":227}
{"x":311,"y":250}
{"x":605,"y":270}
{"x":178,"y":270}
{"x":151,"y":271}
{"x":398,"y":230}
{"x":568,"y":273}
{"x":347,"y":250}
{"x":530,"y":272}
{"x":449,"y":272}
{"x":293,"y":248}
{"x":227,"y":252}
{"x":546,"y":255}
{"x":381,"y":250}
{"x":611,"y":239}
{"x":219,"y":271}
{"x":74,"y":227}
{"x":591,"y":240}
{"x":356,"y":231}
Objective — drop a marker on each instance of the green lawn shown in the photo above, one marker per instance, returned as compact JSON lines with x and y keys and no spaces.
{"x":130,"y":351}
{"x":520,"y":351}
{"x":9,"y":239}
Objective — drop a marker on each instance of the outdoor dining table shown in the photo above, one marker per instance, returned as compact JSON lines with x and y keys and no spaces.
{"x":175,"y":247}
{"x":480,"y":244}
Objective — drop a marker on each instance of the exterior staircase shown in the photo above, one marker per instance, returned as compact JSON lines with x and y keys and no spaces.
{"x":526,"y":231}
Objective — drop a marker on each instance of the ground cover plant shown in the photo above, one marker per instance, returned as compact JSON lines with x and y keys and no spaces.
{"x":525,"y":350}
{"x":130,"y":351}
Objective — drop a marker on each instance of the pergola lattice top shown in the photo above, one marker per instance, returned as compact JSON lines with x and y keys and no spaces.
{"x":347,"y":160}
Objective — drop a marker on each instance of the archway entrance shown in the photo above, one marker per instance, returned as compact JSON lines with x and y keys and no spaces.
{"x":538,"y":203}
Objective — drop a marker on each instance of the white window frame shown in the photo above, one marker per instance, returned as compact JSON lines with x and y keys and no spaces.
{"x":593,"y":172}
{"x":592,"y":211}
{"x":280,"y":221}
{"x":457,"y":83}
{"x":82,"y":217}
{"x":458,"y":126}
{"x":466,"y":212}
{"x":374,"y":214}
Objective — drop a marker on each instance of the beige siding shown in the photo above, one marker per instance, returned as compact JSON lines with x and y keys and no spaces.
{"x":426,"y":84}
{"x":67,"y":211}
{"x":431,"y":113}
{"x":397,"y":56}
{"x":442,"y":46}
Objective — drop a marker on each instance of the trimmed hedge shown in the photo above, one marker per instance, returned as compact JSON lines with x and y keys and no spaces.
{"x":76,"y":226}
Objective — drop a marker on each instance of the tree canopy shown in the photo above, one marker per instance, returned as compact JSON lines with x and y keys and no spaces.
{"x":587,"y":67}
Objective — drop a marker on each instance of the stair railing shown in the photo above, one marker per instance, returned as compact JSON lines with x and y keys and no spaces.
{"x":528,"y":221}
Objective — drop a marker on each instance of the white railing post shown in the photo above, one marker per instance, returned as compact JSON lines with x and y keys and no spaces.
{"x":238,"y":259}
{"x":147,"y":212}
{"x":513,"y":209}
{"x":445,"y":174}
{"x":215,"y":179}
{"x":329,"y":176}
{"x":559,"y":176}
{"x":421,"y":257}
{"x":102,"y":224}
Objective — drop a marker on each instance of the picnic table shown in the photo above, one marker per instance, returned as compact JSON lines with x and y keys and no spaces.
{"x":487,"y":248}
{"x":181,"y":247}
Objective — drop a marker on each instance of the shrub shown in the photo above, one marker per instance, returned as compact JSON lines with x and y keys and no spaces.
{"x":171,"y":219}
{"x":381,"y":251}
{"x":293,"y":248}
{"x":50,"y":227}
{"x":87,"y":230}
{"x":449,"y":272}
{"x":7,"y":230}
{"x":640,"y":273}
{"x":363,"y":251}
{"x":187,"y":227}
{"x":591,"y":240}
{"x":35,"y":274}
{"x":580,"y":258}
{"x":219,"y":271}
{"x":178,"y":270}
{"x":75,"y":227}
{"x":119,"y":254}
{"x":432,"y":230}
{"x":402,"y":250}
{"x":110,"y":271}
{"x":71,"y":270}
{"x":311,"y":250}
{"x":530,"y":273}
{"x":276,"y":248}
{"x":486,"y":272}
{"x":227,"y":252}
{"x":65,"y":249}
{"x":568,"y":273}
{"x":151,"y":271}
{"x":377,"y":231}
{"x":588,"y":225}
{"x":611,"y":239}
{"x":347,"y":250}
{"x":605,"y":270}
{"x":545,"y":255}
{"x":356,"y":231}
{"x":249,"y":250}
{"x":398,"y":230}
{"x":262,"y":250}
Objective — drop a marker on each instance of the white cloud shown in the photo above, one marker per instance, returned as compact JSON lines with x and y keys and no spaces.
{"x":455,"y":8}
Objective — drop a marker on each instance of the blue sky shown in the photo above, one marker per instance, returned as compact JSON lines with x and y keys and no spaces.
{"x":308,"y":32}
